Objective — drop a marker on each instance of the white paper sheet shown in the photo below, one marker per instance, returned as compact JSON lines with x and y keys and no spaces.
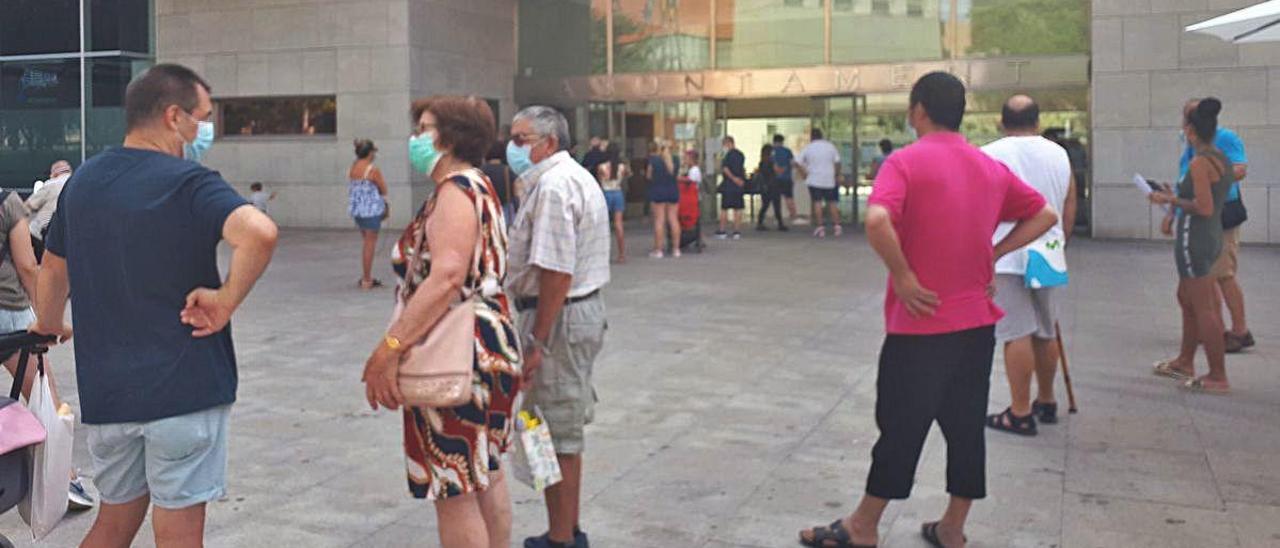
{"x":1141,"y":182}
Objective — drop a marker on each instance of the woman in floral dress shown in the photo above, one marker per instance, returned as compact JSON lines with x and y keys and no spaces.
{"x":453,"y":454}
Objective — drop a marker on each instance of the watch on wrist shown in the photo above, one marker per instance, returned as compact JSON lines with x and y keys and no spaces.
{"x":533,"y":342}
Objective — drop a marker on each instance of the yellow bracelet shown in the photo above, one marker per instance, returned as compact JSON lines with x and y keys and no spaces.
{"x":392,"y":342}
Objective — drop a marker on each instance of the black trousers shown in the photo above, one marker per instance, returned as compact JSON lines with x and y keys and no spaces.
{"x":927,"y":378}
{"x":772,"y":196}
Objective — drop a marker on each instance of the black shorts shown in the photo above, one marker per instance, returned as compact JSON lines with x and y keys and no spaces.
{"x":732,"y":199}
{"x":785,"y":188}
{"x":831,"y":195}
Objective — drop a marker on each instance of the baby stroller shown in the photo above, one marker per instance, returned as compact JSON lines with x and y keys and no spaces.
{"x":22,"y":430}
{"x":690,"y":212}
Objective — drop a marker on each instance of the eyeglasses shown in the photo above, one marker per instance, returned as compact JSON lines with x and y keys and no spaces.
{"x":422,"y":128}
{"x":522,"y":139}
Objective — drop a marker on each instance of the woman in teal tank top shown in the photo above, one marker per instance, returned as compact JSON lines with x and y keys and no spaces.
{"x":1197,"y":243}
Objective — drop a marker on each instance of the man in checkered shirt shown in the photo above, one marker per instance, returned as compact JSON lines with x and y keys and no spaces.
{"x":558,"y":262}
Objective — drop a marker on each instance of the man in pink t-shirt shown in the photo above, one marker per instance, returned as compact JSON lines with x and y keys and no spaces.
{"x":930,"y":219}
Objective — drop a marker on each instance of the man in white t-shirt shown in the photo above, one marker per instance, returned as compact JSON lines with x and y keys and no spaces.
{"x":819,"y":162}
{"x":1029,"y":327}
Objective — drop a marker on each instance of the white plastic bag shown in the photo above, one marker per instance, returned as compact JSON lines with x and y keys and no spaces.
{"x":51,"y":461}
{"x":535,"y":461}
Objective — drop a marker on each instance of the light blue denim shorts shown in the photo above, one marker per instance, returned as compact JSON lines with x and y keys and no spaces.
{"x":181,"y":461}
{"x":16,"y":320}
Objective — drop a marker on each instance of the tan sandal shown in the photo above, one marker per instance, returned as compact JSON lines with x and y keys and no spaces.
{"x":1200,"y":387}
{"x":1165,"y":369}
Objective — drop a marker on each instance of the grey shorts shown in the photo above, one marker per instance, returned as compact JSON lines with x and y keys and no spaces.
{"x":1026,"y":311}
{"x":181,"y":461}
{"x":562,"y":387}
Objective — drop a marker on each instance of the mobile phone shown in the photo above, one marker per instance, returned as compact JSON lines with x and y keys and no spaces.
{"x":1155,"y":187}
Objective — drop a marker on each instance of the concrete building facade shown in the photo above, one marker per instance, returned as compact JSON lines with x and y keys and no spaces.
{"x":1145,"y":67}
{"x":296,"y":81}
{"x":366,"y":55}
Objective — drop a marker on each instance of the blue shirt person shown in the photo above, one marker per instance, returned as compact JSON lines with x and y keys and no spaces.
{"x":1231,"y":146}
{"x":782,"y":159}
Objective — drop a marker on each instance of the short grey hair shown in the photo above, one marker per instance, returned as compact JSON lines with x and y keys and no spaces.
{"x":546,"y":122}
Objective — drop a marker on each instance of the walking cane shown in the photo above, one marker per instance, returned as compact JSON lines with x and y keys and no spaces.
{"x":1066,"y":373}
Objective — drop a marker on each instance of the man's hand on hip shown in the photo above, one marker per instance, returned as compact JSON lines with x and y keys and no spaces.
{"x":918,"y":300}
{"x":208,"y":311}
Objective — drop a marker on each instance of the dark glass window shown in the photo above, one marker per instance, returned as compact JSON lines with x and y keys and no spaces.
{"x":278,"y":116}
{"x":880,"y":6}
{"x":39,"y":119}
{"x":39,"y":26}
{"x":40,"y":85}
{"x":104,"y":113}
{"x":119,"y":25}
{"x":576,"y":46}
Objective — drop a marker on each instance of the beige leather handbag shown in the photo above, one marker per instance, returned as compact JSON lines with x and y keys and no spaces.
{"x":436,"y":372}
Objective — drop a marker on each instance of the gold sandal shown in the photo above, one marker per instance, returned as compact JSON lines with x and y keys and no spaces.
{"x":1165,"y":369}
{"x":1198,"y":386}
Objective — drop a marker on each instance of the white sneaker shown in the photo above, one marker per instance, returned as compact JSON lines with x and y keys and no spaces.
{"x":839,"y":230}
{"x":675,"y":253}
{"x":78,"y":498}
{"x":820,"y":232}
{"x":737,"y":235}
{"x":656,"y":254}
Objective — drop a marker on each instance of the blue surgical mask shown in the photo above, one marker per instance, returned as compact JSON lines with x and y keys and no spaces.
{"x":422,"y":152}
{"x":519,"y":158}
{"x":196,"y":149}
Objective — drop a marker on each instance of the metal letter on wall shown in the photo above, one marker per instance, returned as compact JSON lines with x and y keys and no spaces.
{"x":848,"y":80}
{"x":980,"y":74}
{"x":691,"y":85}
{"x":793,"y":78}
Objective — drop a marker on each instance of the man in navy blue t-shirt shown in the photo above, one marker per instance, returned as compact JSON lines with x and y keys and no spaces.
{"x":136,"y":234}
{"x":782,"y":159}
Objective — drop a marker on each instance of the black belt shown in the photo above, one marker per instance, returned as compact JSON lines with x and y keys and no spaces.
{"x":530,"y":303}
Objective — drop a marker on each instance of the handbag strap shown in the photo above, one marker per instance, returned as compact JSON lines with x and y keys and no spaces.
{"x":21,"y":374}
{"x":478,"y":251}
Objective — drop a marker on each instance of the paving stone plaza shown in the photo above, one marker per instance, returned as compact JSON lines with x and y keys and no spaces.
{"x":736,"y":406}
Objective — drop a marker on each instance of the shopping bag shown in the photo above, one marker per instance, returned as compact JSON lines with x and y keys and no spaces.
{"x":535,"y":461}
{"x":1046,"y":263}
{"x":51,"y":460}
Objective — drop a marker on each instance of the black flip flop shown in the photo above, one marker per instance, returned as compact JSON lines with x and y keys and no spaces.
{"x":930,"y":533}
{"x":832,"y":536}
{"x":1006,"y":421}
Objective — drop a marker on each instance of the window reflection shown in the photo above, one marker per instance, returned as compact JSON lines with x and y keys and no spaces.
{"x":892,"y":31}
{"x":39,"y":118}
{"x":661,"y":35}
{"x":104,"y":112}
{"x":562,"y":37}
{"x":278,"y":116}
{"x":769,"y":33}
{"x":1022,"y":27}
